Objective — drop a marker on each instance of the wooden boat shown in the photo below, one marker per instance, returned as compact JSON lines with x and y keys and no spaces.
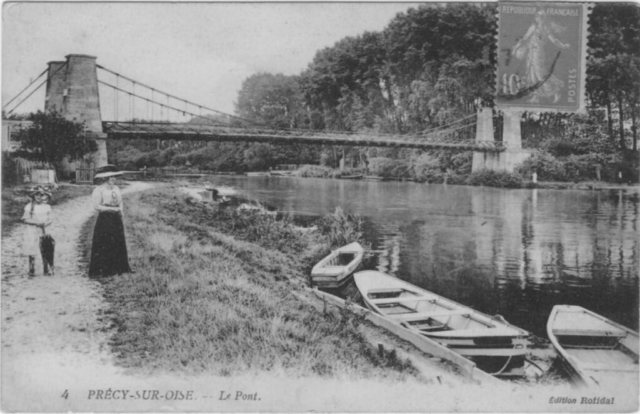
{"x":278,"y":173}
{"x":258,"y":174}
{"x":593,"y":349}
{"x":352,"y":177}
{"x":493,"y":344}
{"x":333,"y":270}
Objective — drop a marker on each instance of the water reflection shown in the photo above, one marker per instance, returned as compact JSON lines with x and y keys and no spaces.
{"x":511,"y":252}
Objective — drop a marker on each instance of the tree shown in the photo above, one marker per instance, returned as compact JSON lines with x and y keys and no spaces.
{"x":345,"y":83}
{"x":612,"y":70}
{"x":52,"y":138}
{"x":272,"y":99}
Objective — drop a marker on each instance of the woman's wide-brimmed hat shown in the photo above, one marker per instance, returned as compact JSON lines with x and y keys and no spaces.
{"x":108,"y":174}
{"x":40,"y":190}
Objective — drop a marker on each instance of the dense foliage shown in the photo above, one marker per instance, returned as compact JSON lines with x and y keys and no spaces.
{"x":431,"y":66}
{"x":52,"y":138}
{"x":491,"y":178}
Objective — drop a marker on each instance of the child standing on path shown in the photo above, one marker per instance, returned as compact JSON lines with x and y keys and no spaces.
{"x":37,"y":216}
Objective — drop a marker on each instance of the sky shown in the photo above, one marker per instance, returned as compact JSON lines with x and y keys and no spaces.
{"x":201,"y":52}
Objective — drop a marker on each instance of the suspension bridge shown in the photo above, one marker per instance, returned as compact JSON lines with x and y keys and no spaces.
{"x":83,"y":90}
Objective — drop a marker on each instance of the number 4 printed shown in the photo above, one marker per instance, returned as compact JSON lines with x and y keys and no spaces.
{"x":65,"y":394}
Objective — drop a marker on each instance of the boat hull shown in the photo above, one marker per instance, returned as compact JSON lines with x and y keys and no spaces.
{"x":496,"y":347}
{"x":593,"y":350}
{"x":335,"y":270}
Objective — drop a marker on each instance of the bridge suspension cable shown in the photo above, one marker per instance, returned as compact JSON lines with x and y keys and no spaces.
{"x":32,"y":92}
{"x":154,"y":102}
{"x":168,"y":95}
{"x":430,"y":133}
{"x":20,"y":93}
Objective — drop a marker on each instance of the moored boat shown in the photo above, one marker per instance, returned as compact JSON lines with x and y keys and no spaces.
{"x":352,"y":177}
{"x":496,"y":346}
{"x":334,"y":270}
{"x":593,"y":349}
{"x":278,"y":173}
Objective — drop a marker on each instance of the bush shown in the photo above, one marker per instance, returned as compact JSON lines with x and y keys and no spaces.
{"x":341,"y":228}
{"x":427,"y":168}
{"x":548,"y":167}
{"x":179,"y":159}
{"x":571,"y":168}
{"x":318,"y":171}
{"x":492,"y":178}
{"x":389,"y":167}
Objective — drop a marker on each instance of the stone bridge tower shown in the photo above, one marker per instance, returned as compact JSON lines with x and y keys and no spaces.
{"x":511,"y":138}
{"x":72,"y":90}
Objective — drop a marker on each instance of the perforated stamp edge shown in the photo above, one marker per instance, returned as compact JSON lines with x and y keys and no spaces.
{"x":587,"y":8}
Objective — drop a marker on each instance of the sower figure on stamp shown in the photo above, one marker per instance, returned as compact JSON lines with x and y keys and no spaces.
{"x":531,"y":48}
{"x":109,"y":249}
{"x":37,"y":216}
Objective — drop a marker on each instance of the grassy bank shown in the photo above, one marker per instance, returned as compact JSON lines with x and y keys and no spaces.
{"x":222,"y":292}
{"x":14,"y":199}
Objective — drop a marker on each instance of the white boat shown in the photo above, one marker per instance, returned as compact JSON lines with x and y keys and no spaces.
{"x":333,"y":270}
{"x":593,"y":349}
{"x":491,"y":342}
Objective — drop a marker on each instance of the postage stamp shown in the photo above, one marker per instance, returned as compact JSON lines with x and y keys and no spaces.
{"x":542,"y":56}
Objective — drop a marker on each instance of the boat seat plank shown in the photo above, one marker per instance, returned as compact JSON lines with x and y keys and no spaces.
{"x":589,"y":332}
{"x":404,"y":299}
{"x":425,"y":315}
{"x":478,"y":333}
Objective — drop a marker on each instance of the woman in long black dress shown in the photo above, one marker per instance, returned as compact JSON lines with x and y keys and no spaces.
{"x":109,"y":249}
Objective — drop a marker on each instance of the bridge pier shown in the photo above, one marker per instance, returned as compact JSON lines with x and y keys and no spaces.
{"x":72,"y":90}
{"x":511,"y":138}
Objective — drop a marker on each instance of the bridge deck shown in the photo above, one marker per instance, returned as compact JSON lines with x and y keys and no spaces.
{"x":199,"y":132}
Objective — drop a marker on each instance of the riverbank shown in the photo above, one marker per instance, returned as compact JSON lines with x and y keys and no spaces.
{"x":224,"y":292}
{"x":583,"y":185}
{"x":213,"y":282}
{"x":497,"y":179}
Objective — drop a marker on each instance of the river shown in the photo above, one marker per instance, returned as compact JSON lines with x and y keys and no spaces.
{"x":516,"y":253}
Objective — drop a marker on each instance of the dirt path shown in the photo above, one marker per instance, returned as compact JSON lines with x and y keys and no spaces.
{"x":53,"y":322}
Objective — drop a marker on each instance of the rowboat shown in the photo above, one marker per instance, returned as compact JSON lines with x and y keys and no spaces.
{"x":593,"y":349}
{"x":352,"y":177}
{"x":333,"y":270}
{"x":280,"y":173}
{"x":491,"y":342}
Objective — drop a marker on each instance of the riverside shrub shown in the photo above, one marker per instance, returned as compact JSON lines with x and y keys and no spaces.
{"x":490,"y":178}
{"x":389,"y":167}
{"x":573,"y":167}
{"x":315,"y":171}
